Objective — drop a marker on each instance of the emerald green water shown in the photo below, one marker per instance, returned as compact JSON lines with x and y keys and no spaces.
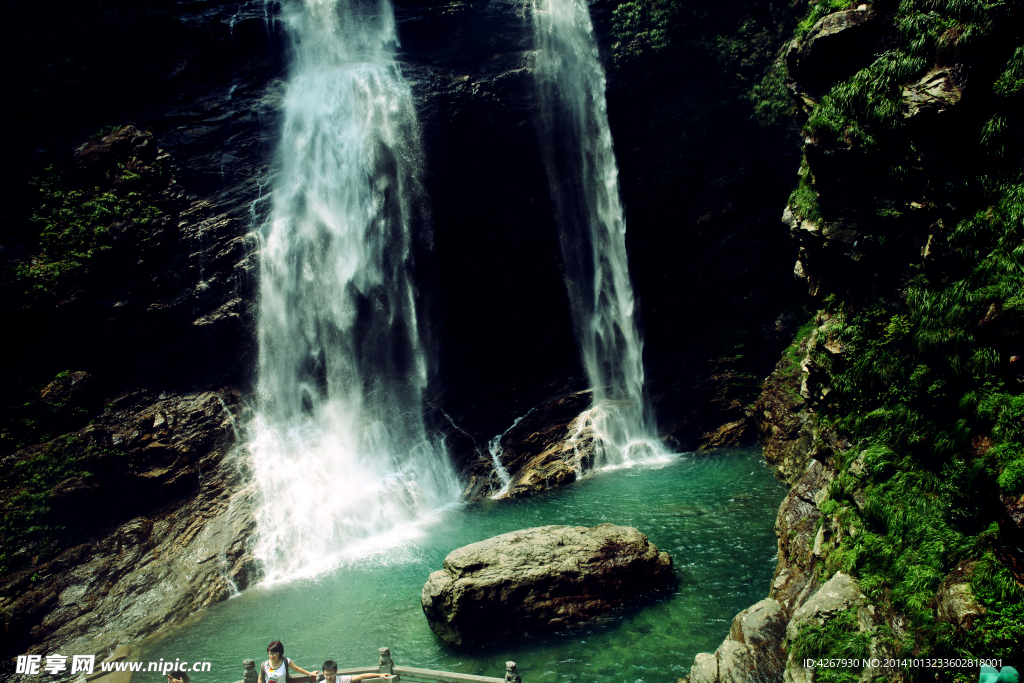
{"x":713,"y":514}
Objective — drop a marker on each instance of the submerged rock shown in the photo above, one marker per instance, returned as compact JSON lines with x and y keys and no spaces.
{"x":537,"y":579}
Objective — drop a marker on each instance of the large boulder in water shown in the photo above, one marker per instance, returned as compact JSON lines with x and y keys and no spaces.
{"x":537,"y":579}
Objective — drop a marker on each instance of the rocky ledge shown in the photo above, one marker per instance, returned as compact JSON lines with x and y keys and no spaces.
{"x":155,"y":529}
{"x":544,"y":578}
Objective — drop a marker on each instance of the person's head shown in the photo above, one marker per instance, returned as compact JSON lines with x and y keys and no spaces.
{"x":177,"y":676}
{"x":276,"y":650}
{"x":330,"y":670}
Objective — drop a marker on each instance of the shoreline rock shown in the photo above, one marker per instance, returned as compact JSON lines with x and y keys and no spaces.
{"x":537,"y":579}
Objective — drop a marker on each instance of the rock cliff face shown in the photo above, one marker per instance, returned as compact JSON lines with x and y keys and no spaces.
{"x":161,"y":521}
{"x":546,"y":578}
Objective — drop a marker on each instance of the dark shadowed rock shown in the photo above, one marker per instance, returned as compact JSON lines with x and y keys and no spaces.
{"x":544,"y":448}
{"x":158,"y":526}
{"x":729,"y":434}
{"x":836,"y":47}
{"x":1014,"y":506}
{"x":839,"y":593}
{"x":795,"y":575}
{"x":539,"y":579}
{"x":785,"y":424}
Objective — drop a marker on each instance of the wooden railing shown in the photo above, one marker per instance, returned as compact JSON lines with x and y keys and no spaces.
{"x":402,"y":674}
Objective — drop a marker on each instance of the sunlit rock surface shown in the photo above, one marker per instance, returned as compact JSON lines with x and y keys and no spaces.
{"x":538,"y":579}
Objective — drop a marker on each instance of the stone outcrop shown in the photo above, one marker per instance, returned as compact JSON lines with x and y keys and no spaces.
{"x":937,"y":91}
{"x":753,"y":651}
{"x":840,"y":594}
{"x":554,"y":444}
{"x":1014,"y":507}
{"x":795,"y":574}
{"x":150,"y":524}
{"x":836,"y":47}
{"x":539,"y":579}
{"x":549,"y":446}
{"x":956,"y":603}
{"x":785,"y":423}
{"x":730,"y":434}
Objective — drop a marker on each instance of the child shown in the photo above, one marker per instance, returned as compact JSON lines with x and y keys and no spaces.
{"x":331,"y":674}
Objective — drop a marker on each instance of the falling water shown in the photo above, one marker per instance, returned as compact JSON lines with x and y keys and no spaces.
{"x":340,"y":451}
{"x":583,"y":177}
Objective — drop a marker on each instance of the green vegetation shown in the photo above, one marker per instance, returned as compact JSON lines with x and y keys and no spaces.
{"x":81,"y":230}
{"x":794,"y":356}
{"x":32,"y":418}
{"x":929,"y":395}
{"x":867,"y":109}
{"x":928,"y":383}
{"x":642,"y":25}
{"x":74,"y":226}
{"x":819,"y":9}
{"x":838,"y":637}
{"x":804,"y":200}
{"x":770,"y":99}
{"x":744,"y":43}
{"x":30,"y":526}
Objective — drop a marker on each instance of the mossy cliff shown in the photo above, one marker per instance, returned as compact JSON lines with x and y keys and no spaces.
{"x":898,"y":411}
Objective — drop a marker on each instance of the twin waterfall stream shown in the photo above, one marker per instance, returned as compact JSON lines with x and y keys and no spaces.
{"x":339,"y":448}
{"x":355,"y":498}
{"x":576,"y":143}
{"x":340,"y":452}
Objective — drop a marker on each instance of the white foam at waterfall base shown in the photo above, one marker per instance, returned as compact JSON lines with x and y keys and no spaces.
{"x":602,"y":430}
{"x":340,"y":452}
{"x":583,"y":178}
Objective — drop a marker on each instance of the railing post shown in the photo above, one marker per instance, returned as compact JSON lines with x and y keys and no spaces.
{"x":512,"y":673}
{"x":248,"y":671}
{"x":386,"y":666}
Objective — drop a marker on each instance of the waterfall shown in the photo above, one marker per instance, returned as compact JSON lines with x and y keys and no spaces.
{"x":583,"y":177}
{"x":339,"y":450}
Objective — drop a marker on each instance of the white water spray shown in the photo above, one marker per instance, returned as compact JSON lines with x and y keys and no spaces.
{"x":496,"y":450}
{"x":340,"y":451}
{"x":583,"y":177}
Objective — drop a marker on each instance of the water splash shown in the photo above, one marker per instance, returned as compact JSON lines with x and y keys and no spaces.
{"x":340,"y":452}
{"x":583,"y":178}
{"x":496,"y":450}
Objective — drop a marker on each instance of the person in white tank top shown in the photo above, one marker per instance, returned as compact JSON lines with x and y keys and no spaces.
{"x":275,"y":669}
